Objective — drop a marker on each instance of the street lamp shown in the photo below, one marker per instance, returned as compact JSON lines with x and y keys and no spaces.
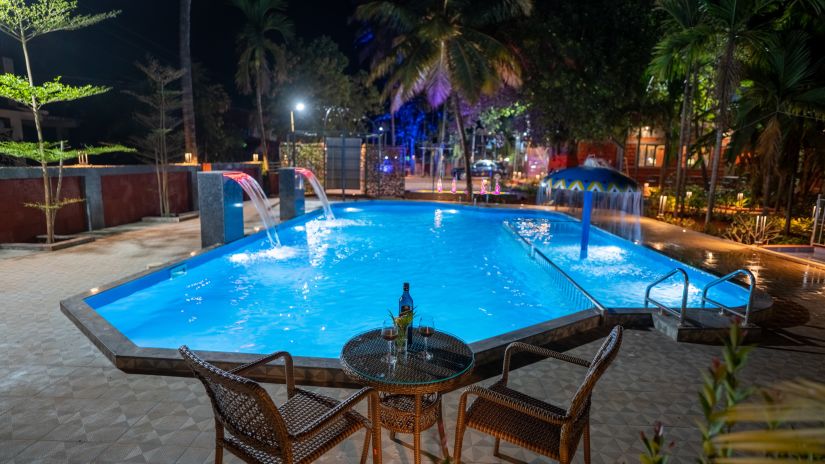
{"x":298,"y":107}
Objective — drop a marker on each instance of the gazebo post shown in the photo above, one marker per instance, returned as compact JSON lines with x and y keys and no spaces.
{"x":587,"y":208}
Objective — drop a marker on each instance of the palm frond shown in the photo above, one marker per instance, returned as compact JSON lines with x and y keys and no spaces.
{"x":795,"y":412}
{"x":387,"y":14}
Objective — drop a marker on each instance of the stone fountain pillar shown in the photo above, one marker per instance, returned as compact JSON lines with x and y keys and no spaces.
{"x":291,"y":193}
{"x":221,"y":208}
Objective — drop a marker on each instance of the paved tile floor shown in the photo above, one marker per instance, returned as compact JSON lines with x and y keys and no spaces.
{"x":62,"y":401}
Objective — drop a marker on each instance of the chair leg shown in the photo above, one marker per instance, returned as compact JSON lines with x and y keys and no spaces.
{"x":442,"y":435}
{"x":496,"y":451}
{"x":586,"y":442}
{"x":218,"y":443}
{"x":459,"y":428}
{"x":459,"y":439}
{"x":375,"y":418}
{"x":366,"y":450}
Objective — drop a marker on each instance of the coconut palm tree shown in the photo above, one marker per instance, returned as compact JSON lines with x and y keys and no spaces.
{"x":736,"y":27}
{"x":679,"y":56}
{"x":257,"y":52}
{"x":782,"y":87}
{"x":442,"y":49}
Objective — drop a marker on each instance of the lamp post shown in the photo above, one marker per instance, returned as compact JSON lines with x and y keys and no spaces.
{"x":298,"y":107}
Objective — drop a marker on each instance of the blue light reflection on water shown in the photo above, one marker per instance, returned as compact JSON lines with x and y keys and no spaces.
{"x":333,"y":279}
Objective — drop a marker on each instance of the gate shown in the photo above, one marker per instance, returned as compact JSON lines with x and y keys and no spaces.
{"x":343,"y":164}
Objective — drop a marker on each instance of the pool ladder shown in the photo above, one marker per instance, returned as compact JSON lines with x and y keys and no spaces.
{"x":680,"y":312}
{"x":726,"y":309}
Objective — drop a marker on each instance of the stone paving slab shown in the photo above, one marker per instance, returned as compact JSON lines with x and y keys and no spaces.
{"x":62,"y":401}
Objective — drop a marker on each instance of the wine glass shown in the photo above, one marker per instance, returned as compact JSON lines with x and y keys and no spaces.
{"x":389,"y":332}
{"x":426,"y":328}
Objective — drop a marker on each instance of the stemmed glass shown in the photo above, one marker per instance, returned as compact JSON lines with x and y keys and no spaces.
{"x":426,"y":328}
{"x":389,"y":332}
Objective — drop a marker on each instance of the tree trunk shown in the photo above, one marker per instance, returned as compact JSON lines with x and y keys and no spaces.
{"x":48,"y":202}
{"x":187,"y":98}
{"x":392,"y":127}
{"x":163,"y":155}
{"x":684,"y":137}
{"x":259,"y":103}
{"x":459,"y":120}
{"x":665,"y":160}
{"x":572,"y":153}
{"x":794,"y":169}
{"x":441,"y":136}
{"x":714,"y":173}
{"x":638,"y":151}
{"x":721,"y":122}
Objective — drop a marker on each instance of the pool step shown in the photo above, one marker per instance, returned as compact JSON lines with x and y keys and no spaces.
{"x":705,"y":326}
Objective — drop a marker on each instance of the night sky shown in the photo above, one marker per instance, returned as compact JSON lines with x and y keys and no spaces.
{"x":106,"y":52}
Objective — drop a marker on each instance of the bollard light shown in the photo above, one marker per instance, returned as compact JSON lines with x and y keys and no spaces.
{"x":662,"y":204}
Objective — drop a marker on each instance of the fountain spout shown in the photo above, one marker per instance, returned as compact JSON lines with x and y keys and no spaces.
{"x":256,"y":194}
{"x":319,"y":190}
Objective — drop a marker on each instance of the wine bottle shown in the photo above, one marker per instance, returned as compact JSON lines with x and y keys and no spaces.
{"x":405,"y":305}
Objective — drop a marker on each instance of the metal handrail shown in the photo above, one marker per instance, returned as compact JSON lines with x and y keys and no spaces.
{"x":536,"y":252}
{"x":681,"y":313}
{"x":723,"y":308}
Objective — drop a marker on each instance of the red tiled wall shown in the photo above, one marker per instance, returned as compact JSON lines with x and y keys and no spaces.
{"x":129,"y":197}
{"x":22,"y":224}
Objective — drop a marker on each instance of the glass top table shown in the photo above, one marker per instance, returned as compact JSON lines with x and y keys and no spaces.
{"x":411,"y":387}
{"x":364,"y":358}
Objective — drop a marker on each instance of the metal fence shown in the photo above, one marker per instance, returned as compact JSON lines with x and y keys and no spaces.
{"x":384,"y":171}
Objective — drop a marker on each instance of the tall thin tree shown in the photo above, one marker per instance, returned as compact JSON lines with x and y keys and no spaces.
{"x":257,"y":52}
{"x":24,"y":21}
{"x":736,"y":26}
{"x":678,"y":55}
{"x":187,"y":98}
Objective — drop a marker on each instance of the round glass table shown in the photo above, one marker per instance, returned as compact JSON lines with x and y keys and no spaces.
{"x":411,"y":386}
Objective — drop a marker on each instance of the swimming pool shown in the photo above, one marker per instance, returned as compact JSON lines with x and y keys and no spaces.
{"x":333,"y":279}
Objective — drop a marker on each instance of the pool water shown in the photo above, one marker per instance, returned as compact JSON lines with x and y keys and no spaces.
{"x":333,"y":279}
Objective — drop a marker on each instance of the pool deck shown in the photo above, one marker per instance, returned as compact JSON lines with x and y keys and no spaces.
{"x":61,"y":400}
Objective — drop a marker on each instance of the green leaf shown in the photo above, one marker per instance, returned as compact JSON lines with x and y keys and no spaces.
{"x":51,"y":151}
{"x":18,"y":89}
{"x":24,"y":20}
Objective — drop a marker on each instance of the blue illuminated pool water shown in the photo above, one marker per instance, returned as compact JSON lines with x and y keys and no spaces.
{"x":334,"y":279}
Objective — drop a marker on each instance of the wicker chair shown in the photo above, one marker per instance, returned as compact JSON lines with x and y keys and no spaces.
{"x":528,"y":422}
{"x":299,"y":431}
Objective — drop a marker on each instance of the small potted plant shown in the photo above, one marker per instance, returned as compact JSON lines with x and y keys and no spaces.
{"x":402,"y":322}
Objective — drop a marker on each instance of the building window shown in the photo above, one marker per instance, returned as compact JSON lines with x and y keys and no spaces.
{"x":651,"y":155}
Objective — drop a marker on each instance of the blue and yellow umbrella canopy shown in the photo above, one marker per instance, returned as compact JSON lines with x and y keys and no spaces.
{"x":592,"y":179}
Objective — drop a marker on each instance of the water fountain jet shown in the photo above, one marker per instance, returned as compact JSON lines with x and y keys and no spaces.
{"x":602,"y":195}
{"x":256,"y":194}
{"x":319,"y":190}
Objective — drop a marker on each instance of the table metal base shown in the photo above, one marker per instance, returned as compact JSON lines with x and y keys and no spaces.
{"x":399,"y":412}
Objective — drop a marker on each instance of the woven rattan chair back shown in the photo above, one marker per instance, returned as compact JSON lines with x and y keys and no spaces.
{"x":242,"y":406}
{"x":580,"y":404}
